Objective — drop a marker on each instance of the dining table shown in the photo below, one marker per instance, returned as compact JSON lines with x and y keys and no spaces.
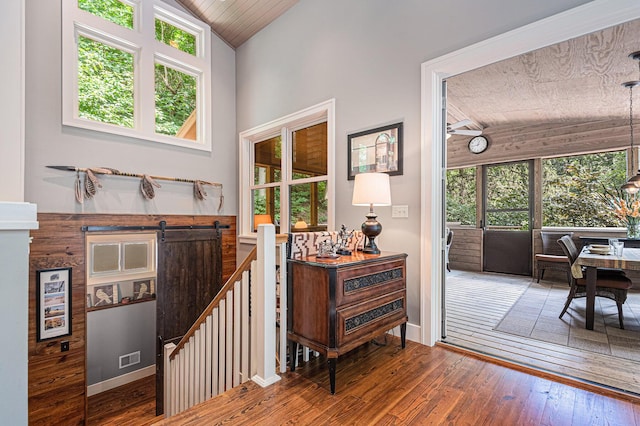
{"x":629,"y":260}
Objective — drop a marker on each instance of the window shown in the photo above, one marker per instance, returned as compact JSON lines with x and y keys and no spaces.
{"x":287,"y":172}
{"x":137,"y":68}
{"x":575,"y":189}
{"x":120,"y":266}
{"x":461,"y":196}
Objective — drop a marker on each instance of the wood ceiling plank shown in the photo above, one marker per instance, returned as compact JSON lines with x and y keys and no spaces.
{"x":265,"y":20}
{"x":574,"y":81}
{"x":235,"y":21}
{"x":240,"y":16}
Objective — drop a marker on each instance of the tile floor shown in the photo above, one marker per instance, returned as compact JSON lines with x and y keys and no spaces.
{"x":535,"y":315}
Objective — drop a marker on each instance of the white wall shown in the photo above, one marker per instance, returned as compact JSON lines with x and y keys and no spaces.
{"x":50,"y":143}
{"x":367,"y":55}
{"x":12,"y":107}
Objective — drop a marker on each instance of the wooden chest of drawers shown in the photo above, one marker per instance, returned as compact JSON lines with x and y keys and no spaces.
{"x":335,"y":305}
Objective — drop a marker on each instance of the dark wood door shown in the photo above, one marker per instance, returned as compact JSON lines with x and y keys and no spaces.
{"x":507,"y":217}
{"x":189,"y":277}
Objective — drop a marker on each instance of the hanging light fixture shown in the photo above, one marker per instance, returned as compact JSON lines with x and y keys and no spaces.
{"x":633,"y":184}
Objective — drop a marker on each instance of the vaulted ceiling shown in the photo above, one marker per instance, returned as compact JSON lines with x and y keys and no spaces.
{"x":235,"y":21}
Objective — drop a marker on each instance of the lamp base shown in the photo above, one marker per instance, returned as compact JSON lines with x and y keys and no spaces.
{"x":371,"y":228}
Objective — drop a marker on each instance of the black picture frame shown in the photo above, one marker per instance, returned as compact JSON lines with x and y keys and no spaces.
{"x":375,"y":150}
{"x":53,"y":303}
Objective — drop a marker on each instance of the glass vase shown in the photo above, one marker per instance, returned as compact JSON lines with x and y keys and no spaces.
{"x":633,"y":230}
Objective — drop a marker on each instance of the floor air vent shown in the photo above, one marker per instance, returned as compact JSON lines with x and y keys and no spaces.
{"x":129,"y":359}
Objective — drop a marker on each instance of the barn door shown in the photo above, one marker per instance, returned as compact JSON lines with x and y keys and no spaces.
{"x":189,"y":277}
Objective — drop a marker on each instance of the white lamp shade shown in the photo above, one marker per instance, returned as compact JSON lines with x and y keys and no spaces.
{"x":371,"y":189}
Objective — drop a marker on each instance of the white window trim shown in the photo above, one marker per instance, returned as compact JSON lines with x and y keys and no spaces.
{"x":147,"y":51}
{"x":321,"y":112}
{"x":121,"y":240}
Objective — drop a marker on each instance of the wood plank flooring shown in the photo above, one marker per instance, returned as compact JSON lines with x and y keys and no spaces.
{"x":476,"y":303}
{"x":133,"y":404}
{"x":417,"y":385}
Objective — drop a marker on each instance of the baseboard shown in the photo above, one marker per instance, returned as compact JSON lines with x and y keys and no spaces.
{"x":113,"y":383}
{"x":413,"y":332}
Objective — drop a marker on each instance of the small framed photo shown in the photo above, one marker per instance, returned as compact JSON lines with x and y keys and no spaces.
{"x":375,"y":150}
{"x":143,"y":289}
{"x":53,"y":310}
{"x":105,"y":295}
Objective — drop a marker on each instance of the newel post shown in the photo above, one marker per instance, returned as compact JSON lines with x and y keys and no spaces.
{"x":264,"y":286}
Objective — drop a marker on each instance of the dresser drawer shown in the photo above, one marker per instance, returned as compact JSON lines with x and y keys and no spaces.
{"x":361,"y":322}
{"x":356,"y":284}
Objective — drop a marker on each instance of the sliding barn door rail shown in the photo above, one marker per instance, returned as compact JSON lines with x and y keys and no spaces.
{"x":162,"y":226}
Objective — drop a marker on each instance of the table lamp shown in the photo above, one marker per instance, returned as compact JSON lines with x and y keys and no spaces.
{"x":371,"y":189}
{"x":261,"y":219}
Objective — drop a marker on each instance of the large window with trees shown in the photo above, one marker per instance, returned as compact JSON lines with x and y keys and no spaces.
{"x":461,"y":196}
{"x":286,"y":169}
{"x":577,"y":190}
{"x":137,"y":68}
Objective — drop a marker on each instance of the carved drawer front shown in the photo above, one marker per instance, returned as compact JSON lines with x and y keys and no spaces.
{"x":358,"y":321}
{"x":357,"y":284}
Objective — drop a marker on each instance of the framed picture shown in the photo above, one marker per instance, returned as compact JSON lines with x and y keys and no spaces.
{"x":53,"y":310}
{"x":105,"y":295}
{"x":143,"y":289}
{"x":375,"y":150}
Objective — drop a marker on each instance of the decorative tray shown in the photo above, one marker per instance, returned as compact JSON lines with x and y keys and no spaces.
{"x":599,"y":249}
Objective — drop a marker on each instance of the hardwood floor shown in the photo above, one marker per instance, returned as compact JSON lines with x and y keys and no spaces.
{"x":422,"y":385}
{"x":133,"y":404}
{"x":477,"y":302}
{"x":417,"y":385}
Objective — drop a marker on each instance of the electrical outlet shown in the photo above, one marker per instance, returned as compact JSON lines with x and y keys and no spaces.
{"x":399,"y":211}
{"x":64,"y":346}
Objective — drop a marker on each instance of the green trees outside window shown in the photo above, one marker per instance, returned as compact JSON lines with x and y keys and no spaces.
{"x":461,"y":196}
{"x":574,"y":191}
{"x":106,"y":83}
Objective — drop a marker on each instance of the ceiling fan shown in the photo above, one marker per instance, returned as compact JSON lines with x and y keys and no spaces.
{"x":455,"y":128}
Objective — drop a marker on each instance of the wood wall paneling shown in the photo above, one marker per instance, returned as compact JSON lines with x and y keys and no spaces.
{"x":541,"y":141}
{"x":57,"y":380}
{"x":466,"y":249}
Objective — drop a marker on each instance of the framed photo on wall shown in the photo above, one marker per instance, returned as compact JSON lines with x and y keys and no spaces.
{"x":105,"y":295}
{"x":375,"y":150}
{"x":53,"y":310}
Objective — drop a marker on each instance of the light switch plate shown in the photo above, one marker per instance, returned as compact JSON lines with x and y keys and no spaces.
{"x":399,"y":211}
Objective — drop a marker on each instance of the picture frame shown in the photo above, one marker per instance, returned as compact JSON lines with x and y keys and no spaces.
{"x":143,"y":289}
{"x":375,"y":150}
{"x":105,"y":295}
{"x":53,"y":303}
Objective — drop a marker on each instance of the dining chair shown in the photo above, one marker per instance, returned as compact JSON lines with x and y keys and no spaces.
{"x":612,"y":284}
{"x":552,"y":256}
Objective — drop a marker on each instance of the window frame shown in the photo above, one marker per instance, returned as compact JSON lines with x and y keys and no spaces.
{"x":147,"y":51}
{"x":121,"y":240}
{"x":629,"y":171}
{"x":284,"y":127}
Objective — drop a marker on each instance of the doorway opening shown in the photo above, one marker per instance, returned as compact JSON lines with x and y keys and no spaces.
{"x":580,"y":21}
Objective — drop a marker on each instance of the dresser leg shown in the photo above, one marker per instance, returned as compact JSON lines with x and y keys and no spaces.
{"x":403,"y":334}
{"x":332,"y":374}
{"x":293,"y":354}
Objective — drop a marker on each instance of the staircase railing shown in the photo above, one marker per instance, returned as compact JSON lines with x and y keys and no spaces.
{"x":234,"y":339}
